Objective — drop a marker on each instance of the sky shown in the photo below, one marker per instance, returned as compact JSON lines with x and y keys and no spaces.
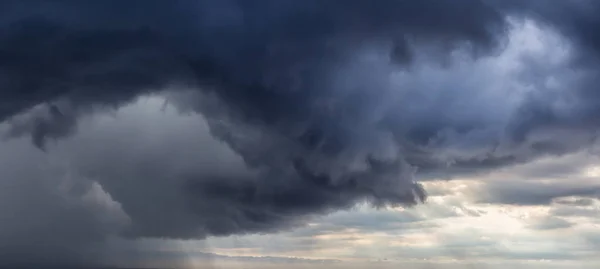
{"x":288,"y":134}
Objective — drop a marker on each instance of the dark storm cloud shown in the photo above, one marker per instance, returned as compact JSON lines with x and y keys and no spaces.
{"x":576,"y":19}
{"x":272,"y":63}
{"x":301,"y":91}
{"x":559,"y":113}
{"x":576,"y":106}
{"x":270,"y":66}
{"x":245,"y":48}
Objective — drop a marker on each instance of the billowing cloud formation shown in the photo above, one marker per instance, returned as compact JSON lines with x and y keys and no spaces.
{"x":321,"y":104}
{"x":272,"y":66}
{"x":49,"y":214}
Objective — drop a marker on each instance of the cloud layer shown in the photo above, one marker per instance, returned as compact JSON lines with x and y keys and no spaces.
{"x":299,"y":108}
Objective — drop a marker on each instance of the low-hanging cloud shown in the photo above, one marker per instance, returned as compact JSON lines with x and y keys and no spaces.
{"x":315,"y":105}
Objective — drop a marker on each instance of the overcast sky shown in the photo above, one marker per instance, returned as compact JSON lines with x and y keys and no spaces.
{"x":536,"y":215}
{"x":288,"y":134}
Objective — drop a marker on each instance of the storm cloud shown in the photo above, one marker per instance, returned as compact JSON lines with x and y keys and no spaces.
{"x":312,"y":106}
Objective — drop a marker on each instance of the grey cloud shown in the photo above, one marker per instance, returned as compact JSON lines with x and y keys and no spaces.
{"x":574,"y":207}
{"x":590,"y":212}
{"x":50,"y":215}
{"x":63,"y":206}
{"x":550,"y":223}
{"x":565,"y":167}
{"x":575,"y":19}
{"x":532,"y":192}
{"x":578,"y":202}
{"x":546,"y":181}
{"x":578,"y":112}
{"x":593,"y":239}
{"x":43,"y":123}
